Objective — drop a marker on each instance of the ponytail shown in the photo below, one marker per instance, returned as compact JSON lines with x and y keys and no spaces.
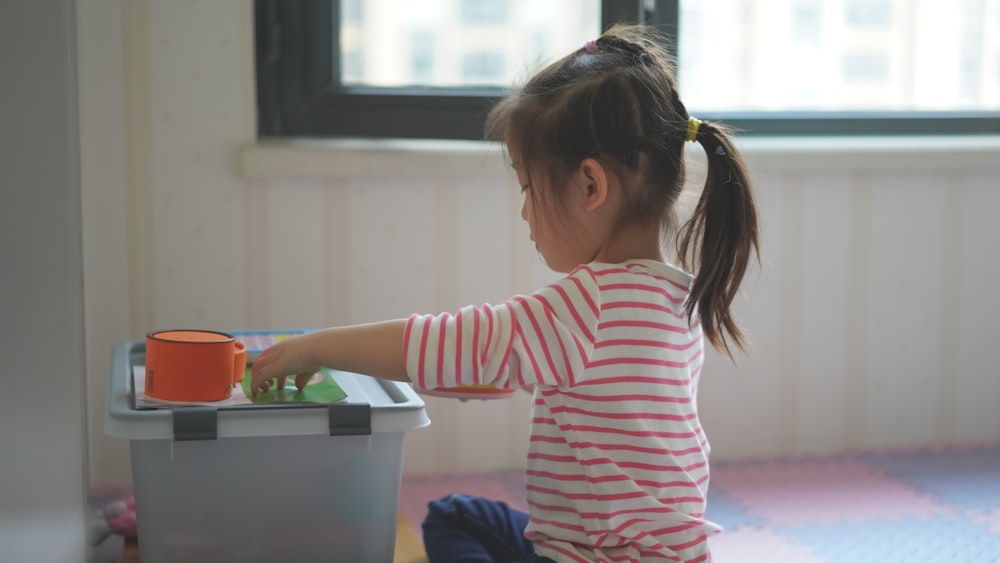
{"x":717,"y":241}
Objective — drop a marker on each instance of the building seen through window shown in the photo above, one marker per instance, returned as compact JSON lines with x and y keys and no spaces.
{"x":452,"y":43}
{"x":734,"y":55}
{"x":840,"y":55}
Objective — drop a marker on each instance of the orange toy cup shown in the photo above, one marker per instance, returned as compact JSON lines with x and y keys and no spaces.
{"x":190,"y":365}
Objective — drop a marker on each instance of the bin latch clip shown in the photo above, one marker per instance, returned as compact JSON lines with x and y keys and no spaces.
{"x":195,"y":423}
{"x":350,"y":419}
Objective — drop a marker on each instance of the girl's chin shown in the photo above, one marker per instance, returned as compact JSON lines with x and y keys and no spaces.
{"x":559,"y":268}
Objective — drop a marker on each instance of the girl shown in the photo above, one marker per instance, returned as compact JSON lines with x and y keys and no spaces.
{"x":617,"y":466}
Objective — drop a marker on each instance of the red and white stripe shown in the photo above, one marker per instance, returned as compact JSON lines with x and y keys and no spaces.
{"x":617,"y":464}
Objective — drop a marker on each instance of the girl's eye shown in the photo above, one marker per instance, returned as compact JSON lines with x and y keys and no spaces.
{"x":525,"y":187}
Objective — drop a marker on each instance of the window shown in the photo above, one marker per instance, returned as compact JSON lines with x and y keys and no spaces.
{"x":395,"y":68}
{"x":865,"y":67}
{"x":869,"y":12}
{"x":806,"y":23}
{"x":483,"y":67}
{"x":484,"y":11}
{"x":352,"y":11}
{"x":421,"y":59}
{"x":841,"y":66}
{"x":351,"y":64}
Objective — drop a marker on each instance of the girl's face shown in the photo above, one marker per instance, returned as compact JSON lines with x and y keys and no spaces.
{"x":580,"y":220}
{"x":554,"y":238}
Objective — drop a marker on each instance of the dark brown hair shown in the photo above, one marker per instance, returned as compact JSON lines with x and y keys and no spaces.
{"x":616,"y":100}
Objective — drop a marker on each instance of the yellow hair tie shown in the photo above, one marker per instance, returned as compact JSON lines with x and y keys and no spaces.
{"x":693,"y":125}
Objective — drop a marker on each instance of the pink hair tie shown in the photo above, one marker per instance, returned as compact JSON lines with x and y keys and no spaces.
{"x":590,"y":46}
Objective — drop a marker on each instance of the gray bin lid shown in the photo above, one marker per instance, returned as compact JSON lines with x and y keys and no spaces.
{"x":372,"y":406}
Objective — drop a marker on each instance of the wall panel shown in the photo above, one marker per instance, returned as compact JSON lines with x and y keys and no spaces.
{"x":872,"y":316}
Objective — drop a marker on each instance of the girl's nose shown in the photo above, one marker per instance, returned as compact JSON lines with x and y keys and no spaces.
{"x":524,"y":209}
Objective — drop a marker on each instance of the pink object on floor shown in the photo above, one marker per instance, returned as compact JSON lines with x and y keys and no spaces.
{"x":121,"y":517}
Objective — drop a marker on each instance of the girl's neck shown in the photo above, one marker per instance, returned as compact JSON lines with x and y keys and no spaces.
{"x":631,"y":244}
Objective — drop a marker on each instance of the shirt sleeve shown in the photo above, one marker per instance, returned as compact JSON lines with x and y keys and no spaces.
{"x":543,"y":339}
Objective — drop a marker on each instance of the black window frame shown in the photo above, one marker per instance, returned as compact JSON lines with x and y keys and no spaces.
{"x":299,"y":94}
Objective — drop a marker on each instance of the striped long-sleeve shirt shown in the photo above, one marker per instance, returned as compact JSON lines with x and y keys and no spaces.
{"x":617,"y":464}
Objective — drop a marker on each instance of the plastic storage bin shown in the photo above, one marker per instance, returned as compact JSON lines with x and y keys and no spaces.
{"x":297,"y":483}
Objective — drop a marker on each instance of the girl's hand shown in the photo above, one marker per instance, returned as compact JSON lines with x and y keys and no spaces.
{"x":288,"y":357}
{"x":371,"y":349}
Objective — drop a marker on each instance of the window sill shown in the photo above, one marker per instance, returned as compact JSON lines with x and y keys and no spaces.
{"x":400,"y":158}
{"x":360,"y":158}
{"x":868,"y":153}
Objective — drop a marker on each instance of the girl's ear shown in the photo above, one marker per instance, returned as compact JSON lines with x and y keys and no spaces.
{"x":593,"y":183}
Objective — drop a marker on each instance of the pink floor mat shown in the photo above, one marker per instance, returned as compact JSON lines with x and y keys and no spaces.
{"x":926,"y":505}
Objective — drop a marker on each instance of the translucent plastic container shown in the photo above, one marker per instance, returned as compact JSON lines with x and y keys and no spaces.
{"x":266,"y":483}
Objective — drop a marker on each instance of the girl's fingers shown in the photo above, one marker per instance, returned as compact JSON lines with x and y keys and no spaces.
{"x":302,"y":379}
{"x":279,"y":381}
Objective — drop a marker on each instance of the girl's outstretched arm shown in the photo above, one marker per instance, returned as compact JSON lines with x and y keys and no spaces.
{"x":372,"y":349}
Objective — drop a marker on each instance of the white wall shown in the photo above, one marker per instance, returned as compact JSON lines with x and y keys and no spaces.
{"x":871,"y":316}
{"x":43,"y":444}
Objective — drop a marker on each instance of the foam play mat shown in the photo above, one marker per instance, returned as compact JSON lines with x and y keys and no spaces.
{"x":912,"y":506}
